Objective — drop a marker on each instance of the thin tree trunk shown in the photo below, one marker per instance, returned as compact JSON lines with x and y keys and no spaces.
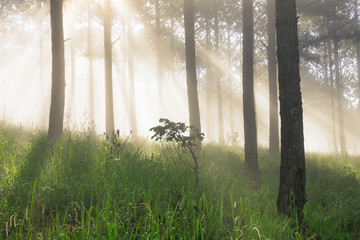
{"x":133,"y":122}
{"x":339,"y":95}
{"x":109,"y":105}
{"x":193,"y":100}
{"x":91,"y":68}
{"x":56,"y":118}
{"x":172,"y":47}
{"x":208,"y":79}
{"x":218,"y":85}
{"x":251,"y":156}
{"x":159,"y":56}
{"x":292,"y":196}
{"x":41,"y":65}
{"x":358,"y":48}
{"x":332,"y":96}
{"x":273,"y":94}
{"x":230,"y":87}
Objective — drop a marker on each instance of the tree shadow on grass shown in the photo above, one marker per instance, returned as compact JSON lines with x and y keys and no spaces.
{"x":29,"y":171}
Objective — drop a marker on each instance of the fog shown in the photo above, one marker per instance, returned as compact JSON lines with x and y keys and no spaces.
{"x":25,"y":78}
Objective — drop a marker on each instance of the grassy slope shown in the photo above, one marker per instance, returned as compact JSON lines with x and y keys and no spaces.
{"x":85,"y":188}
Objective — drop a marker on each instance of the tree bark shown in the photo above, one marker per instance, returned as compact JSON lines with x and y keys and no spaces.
{"x":191,"y":80}
{"x":292,"y":196}
{"x":273,"y":93}
{"x":251,"y":156}
{"x":56,"y":118}
{"x":109,"y":105}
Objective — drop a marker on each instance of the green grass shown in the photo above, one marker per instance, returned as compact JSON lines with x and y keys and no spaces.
{"x":84,"y":187}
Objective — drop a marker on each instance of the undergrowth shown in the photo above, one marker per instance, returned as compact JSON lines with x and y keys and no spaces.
{"x":88,"y":187}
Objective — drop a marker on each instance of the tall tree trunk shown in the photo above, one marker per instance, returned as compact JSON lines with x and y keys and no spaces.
{"x":218,"y":84}
{"x":273,"y":94}
{"x":332,"y":95}
{"x":292,"y":171}
{"x":251,"y":156}
{"x":159,"y":57}
{"x":358,"y":48}
{"x":109,"y":105}
{"x":56,"y":118}
{"x":91,"y":68}
{"x":41,"y":65}
{"x":230,"y":82}
{"x":71,"y":97}
{"x":130,"y":52}
{"x":339,"y":96}
{"x":193,"y":100}
{"x":208,"y":78}
{"x":172,"y":47}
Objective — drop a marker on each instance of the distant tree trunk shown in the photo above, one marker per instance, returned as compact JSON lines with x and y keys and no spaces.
{"x":292,"y":171}
{"x":358,"y":48}
{"x":71,"y":97}
{"x":339,"y":95}
{"x":208,"y":78}
{"x":109,"y":105}
{"x":273,"y":94}
{"x":230,"y":86}
{"x":159,"y":57}
{"x":193,"y":100}
{"x":133,"y":122}
{"x":172,"y":47}
{"x":41,"y":66}
{"x":332,"y":95}
{"x":251,"y":156}
{"x":218,"y":84}
{"x":91,"y":68}
{"x":56,"y":118}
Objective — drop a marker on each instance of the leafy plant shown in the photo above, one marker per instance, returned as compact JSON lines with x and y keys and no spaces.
{"x":170,"y":131}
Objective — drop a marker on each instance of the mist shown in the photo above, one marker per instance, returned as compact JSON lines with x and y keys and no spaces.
{"x":25,"y":73}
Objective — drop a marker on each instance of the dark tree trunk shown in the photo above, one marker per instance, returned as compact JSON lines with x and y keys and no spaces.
{"x":273,"y":93}
{"x":133,"y":122}
{"x":109,"y":105}
{"x":251,"y":156}
{"x":56,"y":119}
{"x":91,"y":68}
{"x":292,"y":194}
{"x":193,"y":100}
{"x":218,"y":85}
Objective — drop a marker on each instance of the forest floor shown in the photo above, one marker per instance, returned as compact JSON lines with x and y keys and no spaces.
{"x":87,"y":187}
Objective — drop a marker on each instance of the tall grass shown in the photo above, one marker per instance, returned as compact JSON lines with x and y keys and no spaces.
{"x":86,"y":187}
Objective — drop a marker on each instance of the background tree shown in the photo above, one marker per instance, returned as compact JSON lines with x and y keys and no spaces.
{"x":292,"y":171}
{"x":109,"y":105}
{"x":56,"y":119}
{"x":251,"y":157}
